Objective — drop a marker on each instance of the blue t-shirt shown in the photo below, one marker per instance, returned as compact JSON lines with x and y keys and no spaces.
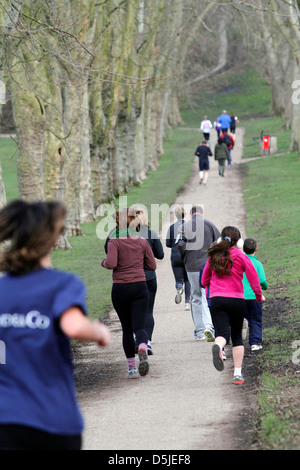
{"x":36,"y":382}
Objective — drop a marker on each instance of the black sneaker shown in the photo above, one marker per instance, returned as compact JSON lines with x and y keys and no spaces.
{"x":218,"y":361}
{"x":143,"y":365}
{"x":178,"y":296}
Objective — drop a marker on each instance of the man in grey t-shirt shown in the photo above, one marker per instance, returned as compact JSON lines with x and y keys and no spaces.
{"x":195,"y":236}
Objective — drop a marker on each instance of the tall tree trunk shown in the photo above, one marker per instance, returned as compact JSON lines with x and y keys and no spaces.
{"x":29,"y":119}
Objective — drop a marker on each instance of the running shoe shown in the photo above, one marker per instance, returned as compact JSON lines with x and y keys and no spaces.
{"x":143,"y":365}
{"x":149,"y":347}
{"x":187,"y":306}
{"x":132,"y":374}
{"x":218,"y":361}
{"x":224,"y":354}
{"x":200,"y":338}
{"x":238,"y":379}
{"x":256,"y":347}
{"x":178,"y":295}
{"x":209,"y":335}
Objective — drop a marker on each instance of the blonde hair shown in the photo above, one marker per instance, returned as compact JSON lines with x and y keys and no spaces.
{"x":140,"y":214}
{"x":180,"y":212}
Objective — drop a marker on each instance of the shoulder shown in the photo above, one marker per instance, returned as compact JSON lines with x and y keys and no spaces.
{"x":153,"y":235}
{"x":210,"y":224}
{"x":65,"y":278}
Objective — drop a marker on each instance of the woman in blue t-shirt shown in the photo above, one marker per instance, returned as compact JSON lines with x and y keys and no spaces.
{"x":40,"y":309}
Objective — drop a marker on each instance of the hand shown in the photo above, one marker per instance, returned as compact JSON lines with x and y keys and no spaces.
{"x":263,"y":298}
{"x":104,"y":334}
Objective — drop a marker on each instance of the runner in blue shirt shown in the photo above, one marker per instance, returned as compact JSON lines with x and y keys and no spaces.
{"x":224,"y":119}
{"x":40,"y":309}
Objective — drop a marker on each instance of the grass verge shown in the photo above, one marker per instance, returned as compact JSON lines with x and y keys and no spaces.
{"x":272,"y":200}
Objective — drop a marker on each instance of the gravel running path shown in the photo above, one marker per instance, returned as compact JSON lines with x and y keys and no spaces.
{"x":184,"y":403}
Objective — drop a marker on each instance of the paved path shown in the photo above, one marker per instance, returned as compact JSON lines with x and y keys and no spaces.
{"x":184,"y":403}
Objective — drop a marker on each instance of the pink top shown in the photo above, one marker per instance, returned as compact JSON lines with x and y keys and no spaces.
{"x":232,"y":285}
{"x":128,"y":257}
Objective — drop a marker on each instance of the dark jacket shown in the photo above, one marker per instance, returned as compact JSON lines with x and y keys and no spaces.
{"x":170,"y":242}
{"x":155,"y":245}
{"x":203,"y":152}
{"x":221,"y":152}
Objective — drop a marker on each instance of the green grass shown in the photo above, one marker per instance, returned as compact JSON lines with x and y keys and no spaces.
{"x":247,"y":94}
{"x":272,"y":200}
{"x":270,"y":125}
{"x":8,"y":159}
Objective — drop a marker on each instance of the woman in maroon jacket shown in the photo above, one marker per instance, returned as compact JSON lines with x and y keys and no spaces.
{"x":128,"y":255}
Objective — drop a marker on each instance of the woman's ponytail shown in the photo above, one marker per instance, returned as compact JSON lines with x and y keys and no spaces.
{"x":219,"y":254}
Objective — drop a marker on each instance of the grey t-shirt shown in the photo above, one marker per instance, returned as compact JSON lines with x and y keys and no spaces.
{"x":197,"y":234}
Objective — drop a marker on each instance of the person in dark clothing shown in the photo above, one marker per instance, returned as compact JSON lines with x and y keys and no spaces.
{"x":195,"y":236}
{"x":203,"y":152}
{"x":221,"y":154}
{"x":180,"y":274}
{"x":151,"y":281}
{"x":233,"y":122}
{"x":229,"y":141}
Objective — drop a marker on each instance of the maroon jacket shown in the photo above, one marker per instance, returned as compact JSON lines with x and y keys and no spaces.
{"x":128,"y":257}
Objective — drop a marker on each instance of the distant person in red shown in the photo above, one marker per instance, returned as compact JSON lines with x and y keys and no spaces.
{"x":229,"y":141}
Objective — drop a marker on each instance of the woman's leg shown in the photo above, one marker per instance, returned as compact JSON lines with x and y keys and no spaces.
{"x":237,"y":314}
{"x":120,"y":300}
{"x":149,"y":324}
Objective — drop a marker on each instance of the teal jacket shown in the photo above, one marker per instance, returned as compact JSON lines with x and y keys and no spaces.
{"x":249,"y":294}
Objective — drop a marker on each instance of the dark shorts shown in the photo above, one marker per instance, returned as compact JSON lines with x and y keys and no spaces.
{"x":203,"y":164}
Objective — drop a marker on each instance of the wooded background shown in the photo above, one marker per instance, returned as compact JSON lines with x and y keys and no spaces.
{"x":94,"y":85}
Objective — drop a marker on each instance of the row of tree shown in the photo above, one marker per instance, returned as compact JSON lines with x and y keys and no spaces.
{"x":94,"y":85}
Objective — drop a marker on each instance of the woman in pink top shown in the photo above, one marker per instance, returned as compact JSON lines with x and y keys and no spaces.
{"x":223,"y":273}
{"x":128,"y":255}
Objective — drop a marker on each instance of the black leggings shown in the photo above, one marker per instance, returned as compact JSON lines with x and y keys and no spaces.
{"x":149,"y":325}
{"x":131,"y":302}
{"x":227,"y":315}
{"x":17,"y":437}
